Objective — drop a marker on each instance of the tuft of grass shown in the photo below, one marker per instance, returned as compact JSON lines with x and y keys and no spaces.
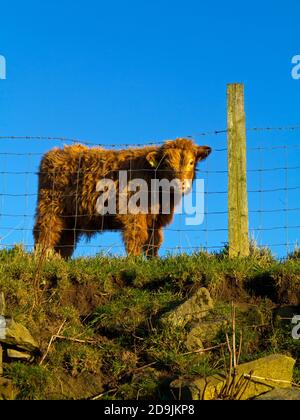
{"x":31,"y":381}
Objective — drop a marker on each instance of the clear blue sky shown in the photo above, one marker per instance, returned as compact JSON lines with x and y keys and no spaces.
{"x":135,"y":71}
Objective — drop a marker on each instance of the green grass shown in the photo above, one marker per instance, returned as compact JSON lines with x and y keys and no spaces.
{"x":114,"y":305}
{"x":32,"y":381}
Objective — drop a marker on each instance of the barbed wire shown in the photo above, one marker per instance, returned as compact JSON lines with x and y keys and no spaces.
{"x":179,"y":248}
{"x":154,"y":229}
{"x":200,"y":171}
{"x":147,"y":143}
{"x":224,"y":149}
{"x":267,"y":190}
{"x":257,"y":211}
{"x":286,"y":188}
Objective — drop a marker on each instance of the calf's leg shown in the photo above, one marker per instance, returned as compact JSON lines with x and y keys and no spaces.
{"x":48,"y":224}
{"x":155,"y":239}
{"x":67,"y":243}
{"x":135,"y":234}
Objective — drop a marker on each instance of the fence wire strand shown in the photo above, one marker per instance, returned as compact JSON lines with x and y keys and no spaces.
{"x":18,"y":193}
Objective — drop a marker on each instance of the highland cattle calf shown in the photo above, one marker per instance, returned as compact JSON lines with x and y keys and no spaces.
{"x":70,"y":191}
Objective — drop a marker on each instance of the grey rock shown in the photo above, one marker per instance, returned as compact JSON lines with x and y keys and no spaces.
{"x":2,"y":327}
{"x":194,"y":342}
{"x":290,"y":394}
{"x":262,"y":375}
{"x":15,"y":354}
{"x":203,"y":332}
{"x":16,"y":335}
{"x":192,"y":310}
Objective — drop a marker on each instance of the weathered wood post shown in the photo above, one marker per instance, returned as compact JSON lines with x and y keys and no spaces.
{"x":238,"y":224}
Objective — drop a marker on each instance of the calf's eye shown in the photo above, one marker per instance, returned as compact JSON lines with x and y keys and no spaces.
{"x":191,"y":162}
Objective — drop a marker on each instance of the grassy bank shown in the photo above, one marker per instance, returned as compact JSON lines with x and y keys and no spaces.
{"x":107,"y":311}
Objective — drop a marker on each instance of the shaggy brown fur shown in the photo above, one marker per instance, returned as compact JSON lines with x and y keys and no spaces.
{"x":67,"y":194}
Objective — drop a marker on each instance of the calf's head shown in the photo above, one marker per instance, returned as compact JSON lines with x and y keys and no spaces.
{"x":177,"y":159}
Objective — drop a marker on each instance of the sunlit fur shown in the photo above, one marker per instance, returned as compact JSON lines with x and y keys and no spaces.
{"x":67,"y":196}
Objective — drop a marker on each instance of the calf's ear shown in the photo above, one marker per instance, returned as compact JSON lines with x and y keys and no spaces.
{"x":152,"y":159}
{"x":202,"y":152}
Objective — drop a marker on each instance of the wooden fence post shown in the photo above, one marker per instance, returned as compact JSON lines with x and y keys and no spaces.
{"x":238,"y":224}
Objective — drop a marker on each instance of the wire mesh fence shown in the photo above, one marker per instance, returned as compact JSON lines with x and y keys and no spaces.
{"x":273,"y":165}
